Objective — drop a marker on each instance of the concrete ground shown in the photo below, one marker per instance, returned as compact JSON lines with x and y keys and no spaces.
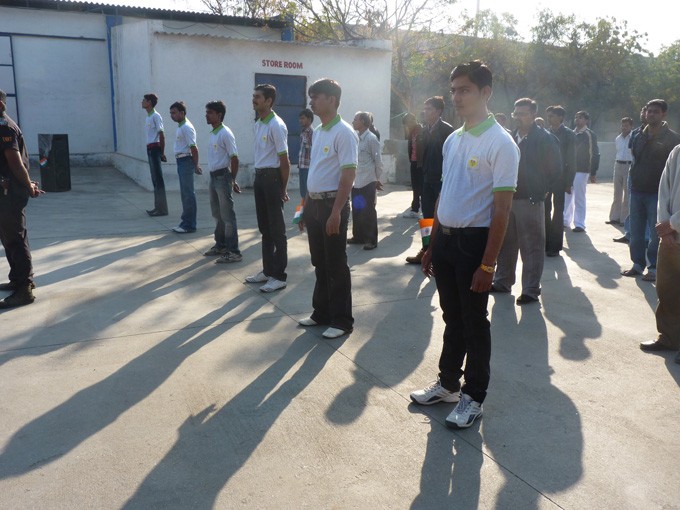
{"x":146,"y":376}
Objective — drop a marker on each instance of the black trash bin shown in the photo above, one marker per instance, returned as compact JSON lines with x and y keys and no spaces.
{"x":55,"y":165}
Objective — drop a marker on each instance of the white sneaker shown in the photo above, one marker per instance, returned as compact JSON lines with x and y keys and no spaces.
{"x":410,"y":214}
{"x":307,"y":322}
{"x":434,"y":393}
{"x":257,"y":278}
{"x":272,"y":285}
{"x":465,"y":413}
{"x":334,"y":333}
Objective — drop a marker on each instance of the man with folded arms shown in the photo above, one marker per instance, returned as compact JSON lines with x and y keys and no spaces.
{"x":331,"y":174}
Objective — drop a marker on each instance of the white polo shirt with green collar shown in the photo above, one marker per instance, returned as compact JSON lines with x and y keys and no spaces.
{"x":185,"y":138}
{"x":335,"y":147}
{"x":271,"y":141}
{"x":153,"y":126}
{"x":221,"y":149}
{"x":477,"y":163}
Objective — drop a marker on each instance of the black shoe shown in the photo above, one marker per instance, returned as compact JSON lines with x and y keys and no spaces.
{"x":655,"y":346}
{"x":370,"y":246}
{"x":613,"y":222}
{"x":622,"y":239}
{"x":156,"y":213}
{"x":552,"y":253}
{"x":21,"y":296}
{"x":12,"y":286}
{"x":525,"y":299}
{"x":353,"y":240}
{"x":578,"y":229}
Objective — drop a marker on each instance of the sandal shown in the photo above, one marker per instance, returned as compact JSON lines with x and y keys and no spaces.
{"x":649,"y":277}
{"x":630,"y":272}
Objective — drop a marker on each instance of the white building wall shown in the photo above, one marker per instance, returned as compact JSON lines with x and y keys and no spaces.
{"x":196,"y":69}
{"x":62,"y":84}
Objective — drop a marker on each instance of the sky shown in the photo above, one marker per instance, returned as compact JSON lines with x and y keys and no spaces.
{"x":662,"y":30}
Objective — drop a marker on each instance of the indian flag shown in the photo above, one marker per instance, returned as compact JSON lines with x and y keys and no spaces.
{"x":298,"y":214}
{"x":43,"y":161}
{"x":426,"y":230}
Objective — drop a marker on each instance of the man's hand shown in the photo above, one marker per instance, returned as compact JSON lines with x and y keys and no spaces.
{"x":664,"y":228}
{"x":35,"y":190}
{"x":284,"y":196}
{"x":592,"y":179}
{"x":481,"y":281}
{"x":301,"y":225}
{"x":236,"y":187}
{"x":379,"y":186}
{"x":426,"y":263}
{"x":163,"y":158}
{"x":333,"y":223}
{"x":198,"y":170}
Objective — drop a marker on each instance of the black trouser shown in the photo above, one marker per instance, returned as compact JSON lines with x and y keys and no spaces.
{"x":269,"y":210}
{"x":554,"y":223}
{"x":14,"y":238}
{"x":455,"y":258}
{"x":364,"y":215}
{"x":332,"y":299}
{"x":159,"y":199}
{"x":430,"y":194}
{"x":417,"y":185}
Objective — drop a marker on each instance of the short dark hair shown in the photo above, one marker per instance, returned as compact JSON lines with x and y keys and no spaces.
{"x":152,"y":98}
{"x":365,"y":118}
{"x":583,"y":113}
{"x":660,"y":103}
{"x":436,"y":102}
{"x":476,"y":71}
{"x":268,"y":91}
{"x":307,"y":113}
{"x":218,"y":107}
{"x":556,"y":110}
{"x":527,"y":101}
{"x":179,"y":106}
{"x":327,"y":87}
{"x":627,"y":120}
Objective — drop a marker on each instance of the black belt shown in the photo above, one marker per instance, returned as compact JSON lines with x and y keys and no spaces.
{"x":265,"y":171}
{"x":450,"y":231}
{"x":324,"y":195}
{"x":220,"y":171}
{"x":623,"y":162}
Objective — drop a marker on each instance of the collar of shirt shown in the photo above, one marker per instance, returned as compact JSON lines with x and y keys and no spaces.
{"x":480,"y":128}
{"x":327,"y":127}
{"x":267,"y":119}
{"x":149,"y":114}
{"x":217,"y":129}
{"x":180,"y":124}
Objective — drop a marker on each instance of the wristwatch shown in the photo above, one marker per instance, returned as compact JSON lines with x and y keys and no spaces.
{"x":487,"y":269}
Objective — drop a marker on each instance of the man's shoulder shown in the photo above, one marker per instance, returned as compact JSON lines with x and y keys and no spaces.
{"x":8,"y":128}
{"x":445,"y":127}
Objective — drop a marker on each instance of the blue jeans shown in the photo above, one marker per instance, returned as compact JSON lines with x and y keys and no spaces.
{"x":642,"y":220}
{"x":160,"y":201}
{"x":222,"y":208}
{"x":303,"y":172}
{"x":185,"y":171}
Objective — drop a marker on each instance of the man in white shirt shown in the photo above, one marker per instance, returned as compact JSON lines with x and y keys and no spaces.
{"x":186,"y":155}
{"x":668,"y":260}
{"x":272,"y":168}
{"x":326,"y":214}
{"x":619,"y":209}
{"x":479,"y":175}
{"x":364,"y":192}
{"x":155,"y":152}
{"x":223,"y":167}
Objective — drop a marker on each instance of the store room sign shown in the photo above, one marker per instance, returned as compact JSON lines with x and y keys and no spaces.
{"x":281,"y":64}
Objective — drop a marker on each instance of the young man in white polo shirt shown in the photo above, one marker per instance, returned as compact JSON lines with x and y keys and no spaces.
{"x":223,"y":166}
{"x":155,"y":152}
{"x":332,"y":170}
{"x":478,"y":181}
{"x":186,"y":155}
{"x":272,"y":169}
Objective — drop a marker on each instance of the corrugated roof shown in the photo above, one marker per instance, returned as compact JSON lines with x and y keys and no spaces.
{"x":143,"y":12}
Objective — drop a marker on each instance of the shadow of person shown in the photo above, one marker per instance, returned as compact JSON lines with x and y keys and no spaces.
{"x":213,"y":446}
{"x":58,"y":431}
{"x":451,"y":471}
{"x":581,"y":250}
{"x":568,"y":308}
{"x":388,"y":356}
{"x":530,"y":427}
{"x":649,"y":291}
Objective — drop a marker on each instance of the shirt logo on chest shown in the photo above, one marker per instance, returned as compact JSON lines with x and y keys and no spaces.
{"x":326,"y":149}
{"x":473,"y":162}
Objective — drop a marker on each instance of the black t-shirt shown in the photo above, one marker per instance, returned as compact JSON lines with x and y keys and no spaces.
{"x":11,"y":139}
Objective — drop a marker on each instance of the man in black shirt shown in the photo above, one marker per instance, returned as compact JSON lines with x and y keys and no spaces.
{"x":16,"y":188}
